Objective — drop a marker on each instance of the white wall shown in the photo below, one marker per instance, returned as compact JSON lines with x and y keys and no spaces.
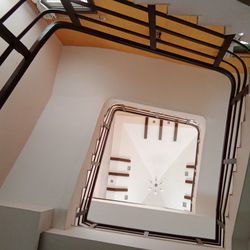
{"x":21,"y":226}
{"x":23,"y":108}
{"x":92,"y":239}
{"x":151,"y":219}
{"x":51,"y":160}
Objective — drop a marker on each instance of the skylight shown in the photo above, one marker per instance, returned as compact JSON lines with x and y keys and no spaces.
{"x":149,"y":161}
{"x":56,"y":4}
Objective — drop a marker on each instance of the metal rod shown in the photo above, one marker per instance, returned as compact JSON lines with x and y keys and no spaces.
{"x":5,"y":54}
{"x":192,"y":39}
{"x":13,"y":41}
{"x":241,"y":94}
{"x":173,"y":18}
{"x":71,"y":12}
{"x":233,"y":151}
{"x":185,"y":49}
{"x":40,"y":16}
{"x":227,"y":42}
{"x":8,"y":88}
{"x":11,"y":11}
{"x":152,"y":26}
{"x":140,"y":22}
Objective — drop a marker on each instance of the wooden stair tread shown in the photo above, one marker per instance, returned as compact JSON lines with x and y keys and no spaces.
{"x":162,"y":8}
{"x":190,"y":166}
{"x":116,"y":173}
{"x":117,"y":189}
{"x":188,"y":197}
{"x":191,"y":19}
{"x":218,"y":28}
{"x":112,"y":158}
{"x":68,"y":37}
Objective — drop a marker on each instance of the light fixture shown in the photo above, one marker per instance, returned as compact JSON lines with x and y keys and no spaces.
{"x":156,"y":186}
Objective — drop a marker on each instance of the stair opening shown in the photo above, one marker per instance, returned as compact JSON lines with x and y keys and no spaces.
{"x":148,"y":173}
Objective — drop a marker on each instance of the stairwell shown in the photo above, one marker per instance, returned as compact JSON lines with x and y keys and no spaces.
{"x":98,"y":239}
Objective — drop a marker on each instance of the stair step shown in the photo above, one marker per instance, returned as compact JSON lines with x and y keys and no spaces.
{"x":190,"y":166}
{"x":188,"y":197}
{"x":77,"y":39}
{"x":119,"y":173}
{"x":112,"y":158}
{"x":162,"y":8}
{"x":117,"y":189}
{"x":217,"y":28}
{"x":189,"y":181}
{"x":191,"y":19}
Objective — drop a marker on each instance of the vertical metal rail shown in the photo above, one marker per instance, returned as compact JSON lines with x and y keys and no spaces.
{"x":152,"y":26}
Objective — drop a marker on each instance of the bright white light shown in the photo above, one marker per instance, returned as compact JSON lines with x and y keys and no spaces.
{"x":243,"y":42}
{"x":241,"y":34}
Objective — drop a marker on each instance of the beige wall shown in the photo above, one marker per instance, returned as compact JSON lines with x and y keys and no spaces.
{"x":52,"y":158}
{"x":23,"y":108}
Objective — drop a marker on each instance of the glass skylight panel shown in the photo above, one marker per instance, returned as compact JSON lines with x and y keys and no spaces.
{"x":57,"y":4}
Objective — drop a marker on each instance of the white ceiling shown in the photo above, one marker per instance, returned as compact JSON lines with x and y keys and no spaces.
{"x":234,"y":15}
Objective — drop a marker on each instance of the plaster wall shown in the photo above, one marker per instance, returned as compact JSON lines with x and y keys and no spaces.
{"x":21,"y":225}
{"x":52,"y":159}
{"x":100,"y":239}
{"x":151,"y":218}
{"x":22,"y":110}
